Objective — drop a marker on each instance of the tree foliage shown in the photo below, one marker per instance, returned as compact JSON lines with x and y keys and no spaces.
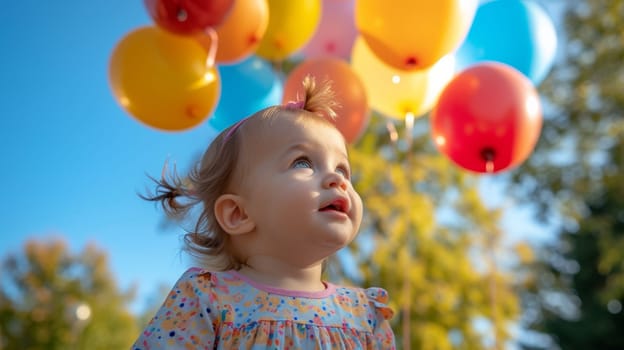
{"x":53,"y":299}
{"x":581,"y":288}
{"x":597,"y":277}
{"x":578,"y":287}
{"x":583,"y":115}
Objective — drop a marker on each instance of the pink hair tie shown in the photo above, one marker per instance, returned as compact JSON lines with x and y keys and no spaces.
{"x":295,"y":105}
{"x":233,"y":129}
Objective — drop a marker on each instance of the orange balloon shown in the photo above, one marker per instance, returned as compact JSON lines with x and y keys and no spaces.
{"x":410,"y":35}
{"x":353,"y":115}
{"x":241,"y":32}
{"x":162,"y":79}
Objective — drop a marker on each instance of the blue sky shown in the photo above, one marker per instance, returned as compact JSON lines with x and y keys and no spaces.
{"x":72,"y":160}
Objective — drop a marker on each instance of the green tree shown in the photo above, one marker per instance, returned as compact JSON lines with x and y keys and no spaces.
{"x":583,"y":102}
{"x":53,"y":299}
{"x":576,"y":175}
{"x":582,"y":284}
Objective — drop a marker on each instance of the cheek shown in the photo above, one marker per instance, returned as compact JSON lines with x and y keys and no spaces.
{"x":295,"y":198}
{"x":358,"y":206}
{"x":300,"y":198}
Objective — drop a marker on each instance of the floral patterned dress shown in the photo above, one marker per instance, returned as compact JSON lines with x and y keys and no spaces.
{"x":226,"y":310}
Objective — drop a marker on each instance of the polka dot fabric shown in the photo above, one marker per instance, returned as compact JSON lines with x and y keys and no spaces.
{"x":225,"y":310}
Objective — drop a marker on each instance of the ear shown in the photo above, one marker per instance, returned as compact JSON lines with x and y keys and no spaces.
{"x":232,"y":216}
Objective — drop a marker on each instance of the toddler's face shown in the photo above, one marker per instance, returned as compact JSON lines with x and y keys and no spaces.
{"x":298,"y":189}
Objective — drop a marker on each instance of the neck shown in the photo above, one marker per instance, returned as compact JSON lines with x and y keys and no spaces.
{"x":274,"y":273}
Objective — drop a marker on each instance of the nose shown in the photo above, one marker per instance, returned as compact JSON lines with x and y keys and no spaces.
{"x":335,"y":179}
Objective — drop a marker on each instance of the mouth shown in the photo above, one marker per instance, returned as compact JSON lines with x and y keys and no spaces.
{"x":339,"y":205}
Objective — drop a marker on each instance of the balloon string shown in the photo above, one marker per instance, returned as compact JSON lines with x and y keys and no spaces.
{"x":214,"y":43}
{"x":488,"y":154}
{"x":181,"y":15}
{"x":392,"y":131}
{"x":409,"y":128}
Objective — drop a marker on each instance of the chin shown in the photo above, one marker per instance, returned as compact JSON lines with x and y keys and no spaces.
{"x":339,"y":240}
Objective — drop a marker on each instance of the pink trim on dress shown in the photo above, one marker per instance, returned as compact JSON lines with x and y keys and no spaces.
{"x":329,"y":288}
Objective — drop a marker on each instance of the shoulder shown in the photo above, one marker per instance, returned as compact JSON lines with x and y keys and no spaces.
{"x":194,"y":284}
{"x":187,"y":315}
{"x":375,"y":298}
{"x":195,"y":274}
{"x":379,"y":298}
{"x":197,"y":280}
{"x":214,"y":287}
{"x":203,"y":291}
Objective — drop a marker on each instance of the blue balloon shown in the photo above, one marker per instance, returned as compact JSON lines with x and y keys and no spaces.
{"x":516,"y":32}
{"x":246,"y":88}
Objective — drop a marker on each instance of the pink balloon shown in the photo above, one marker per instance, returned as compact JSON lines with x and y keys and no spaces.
{"x":336,"y":31}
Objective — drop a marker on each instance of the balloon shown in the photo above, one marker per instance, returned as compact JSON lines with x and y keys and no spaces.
{"x":162,"y":79}
{"x":350,"y":92}
{"x":523,"y":24}
{"x":291,"y":25}
{"x":240,"y":33}
{"x":397,"y":93}
{"x":247,"y":87}
{"x":336,"y":31}
{"x":488,"y":118}
{"x":188,"y":16}
{"x":410,"y":35}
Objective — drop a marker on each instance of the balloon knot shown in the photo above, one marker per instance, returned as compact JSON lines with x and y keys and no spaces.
{"x":411,"y":61}
{"x":181,"y":15}
{"x":193,"y":112}
{"x":279,"y":43}
{"x":253,"y":39}
{"x":330,"y":47}
{"x":488,"y":154}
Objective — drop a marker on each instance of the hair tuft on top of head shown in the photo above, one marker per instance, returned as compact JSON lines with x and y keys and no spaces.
{"x":319,"y":98}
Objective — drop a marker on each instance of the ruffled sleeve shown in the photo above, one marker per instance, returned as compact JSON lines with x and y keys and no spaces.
{"x":384,"y":336}
{"x":187,"y":318}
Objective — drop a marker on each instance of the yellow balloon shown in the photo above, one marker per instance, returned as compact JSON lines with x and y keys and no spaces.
{"x":396,"y":93}
{"x":414,"y":34}
{"x":162,"y":79}
{"x":291,"y":25}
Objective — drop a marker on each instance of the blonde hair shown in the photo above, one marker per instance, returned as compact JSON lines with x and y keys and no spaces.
{"x":212,"y":176}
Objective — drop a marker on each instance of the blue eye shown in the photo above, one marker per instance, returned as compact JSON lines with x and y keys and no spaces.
{"x":302,"y":163}
{"x":344,"y":171}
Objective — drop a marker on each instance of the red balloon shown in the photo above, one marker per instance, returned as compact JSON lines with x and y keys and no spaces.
{"x":188,"y":17}
{"x":353,"y":113}
{"x":488,"y":118}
